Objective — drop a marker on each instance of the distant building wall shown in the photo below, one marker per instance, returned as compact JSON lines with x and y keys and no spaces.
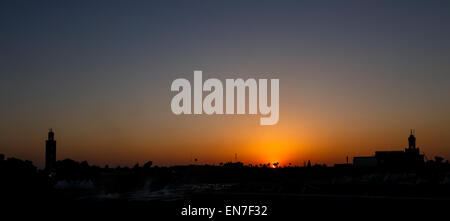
{"x":365,"y":161}
{"x":410,"y":158}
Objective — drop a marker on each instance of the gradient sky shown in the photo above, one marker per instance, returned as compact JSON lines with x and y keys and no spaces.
{"x":355,"y":76}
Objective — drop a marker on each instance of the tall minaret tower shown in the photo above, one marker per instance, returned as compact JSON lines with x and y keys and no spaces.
{"x":412,"y":140}
{"x":412,"y":149}
{"x":50,"y":152}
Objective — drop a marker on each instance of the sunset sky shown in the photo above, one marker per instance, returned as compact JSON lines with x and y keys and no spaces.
{"x":355,"y":77}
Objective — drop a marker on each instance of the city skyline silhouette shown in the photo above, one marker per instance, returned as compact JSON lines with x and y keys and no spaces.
{"x":411,"y":150}
{"x":410,"y":158}
{"x":178,"y":191}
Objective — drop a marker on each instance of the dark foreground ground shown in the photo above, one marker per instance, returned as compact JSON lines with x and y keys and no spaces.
{"x":280,"y":207}
{"x":79,"y":191}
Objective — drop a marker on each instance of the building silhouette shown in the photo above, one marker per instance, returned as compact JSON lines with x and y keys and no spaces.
{"x":50,"y":152}
{"x":409,"y":158}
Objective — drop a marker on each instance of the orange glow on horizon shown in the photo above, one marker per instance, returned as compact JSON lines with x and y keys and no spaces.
{"x":275,"y":145}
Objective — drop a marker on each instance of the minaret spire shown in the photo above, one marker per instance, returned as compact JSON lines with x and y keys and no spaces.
{"x":50,"y":152}
{"x":412,"y":140}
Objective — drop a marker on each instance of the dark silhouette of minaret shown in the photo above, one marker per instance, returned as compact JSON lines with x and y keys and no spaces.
{"x":412,"y":140}
{"x":50,"y":152}
{"x":412,"y":149}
